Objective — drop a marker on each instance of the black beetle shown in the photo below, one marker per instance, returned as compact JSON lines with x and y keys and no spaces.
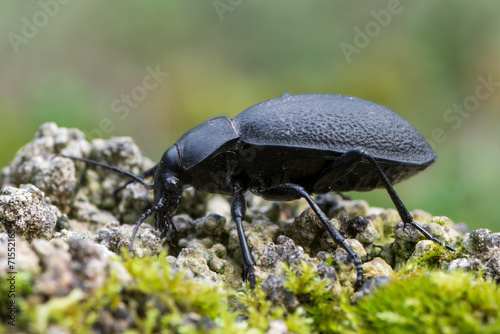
{"x":288,"y":148}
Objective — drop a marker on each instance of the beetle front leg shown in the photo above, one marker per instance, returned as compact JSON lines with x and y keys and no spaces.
{"x":238,"y":208}
{"x":293,"y":191}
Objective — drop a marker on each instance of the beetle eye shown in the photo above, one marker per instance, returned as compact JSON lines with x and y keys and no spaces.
{"x":171,"y":183}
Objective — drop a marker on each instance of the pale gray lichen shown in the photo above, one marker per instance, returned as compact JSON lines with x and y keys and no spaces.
{"x":64,"y":266}
{"x":483,"y":253}
{"x":27,"y":212}
{"x":36,"y":163}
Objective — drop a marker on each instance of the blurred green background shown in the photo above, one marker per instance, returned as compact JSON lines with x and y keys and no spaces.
{"x":89,"y":64}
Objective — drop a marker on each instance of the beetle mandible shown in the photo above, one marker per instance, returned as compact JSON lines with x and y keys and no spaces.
{"x":289,"y":148}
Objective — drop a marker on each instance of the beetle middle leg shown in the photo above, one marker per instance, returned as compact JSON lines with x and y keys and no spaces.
{"x":291,"y":192}
{"x":238,"y":208}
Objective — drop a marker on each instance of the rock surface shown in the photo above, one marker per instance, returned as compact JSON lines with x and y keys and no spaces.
{"x":69,"y":225}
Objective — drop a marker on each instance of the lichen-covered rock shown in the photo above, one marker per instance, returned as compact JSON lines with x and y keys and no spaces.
{"x":306,"y":230}
{"x":36,"y":163}
{"x":134,"y":200}
{"x":422,"y":248}
{"x":481,"y":241}
{"x":119,"y":152}
{"x":91,"y":218}
{"x":483,"y":254}
{"x":347,"y":273}
{"x":285,"y":253}
{"x":376,"y":267}
{"x":196,"y":260}
{"x":195,"y":203}
{"x":359,"y":228}
{"x":147,"y":241}
{"x":69,"y":265}
{"x":465,"y":264}
{"x":282,"y":258}
{"x":212,"y":225}
{"x":407,"y":237}
{"x":123,"y":153}
{"x":384,"y":222}
{"x":19,"y":252}
{"x":259,"y":233}
{"x":67,"y":235}
{"x":185,"y":225}
{"x":283,"y":250}
{"x":28,"y":212}
{"x":332,"y":204}
{"x":309,"y":232}
{"x":386,"y":253}
{"x":274,"y":286}
{"x":404,"y":243}
{"x":208,"y":264}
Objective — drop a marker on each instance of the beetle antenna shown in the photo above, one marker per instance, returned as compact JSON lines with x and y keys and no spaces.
{"x":113,"y":168}
{"x":148,"y":173}
{"x":141,"y":220}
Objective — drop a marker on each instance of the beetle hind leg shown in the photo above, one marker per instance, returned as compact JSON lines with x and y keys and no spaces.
{"x":403,"y":212}
{"x":354,"y":156}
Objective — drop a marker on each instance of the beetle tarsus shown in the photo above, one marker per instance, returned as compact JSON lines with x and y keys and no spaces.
{"x":430,"y":236}
{"x":249,"y":275}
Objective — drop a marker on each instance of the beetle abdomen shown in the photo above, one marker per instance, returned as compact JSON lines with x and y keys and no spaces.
{"x":335,"y":123}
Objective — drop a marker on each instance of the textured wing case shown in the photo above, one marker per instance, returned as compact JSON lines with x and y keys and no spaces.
{"x":333,"y":123}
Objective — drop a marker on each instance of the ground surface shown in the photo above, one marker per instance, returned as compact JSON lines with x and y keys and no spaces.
{"x":65,"y":268}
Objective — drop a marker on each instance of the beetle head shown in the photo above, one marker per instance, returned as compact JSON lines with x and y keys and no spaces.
{"x":169,"y":182}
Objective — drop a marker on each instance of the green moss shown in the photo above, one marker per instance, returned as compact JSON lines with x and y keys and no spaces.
{"x":437,"y":302}
{"x":431,"y":302}
{"x":23,"y":288}
{"x":305,"y":282}
{"x":259,"y":311}
{"x":432,"y":257}
{"x":158,"y":300}
{"x":155,"y":300}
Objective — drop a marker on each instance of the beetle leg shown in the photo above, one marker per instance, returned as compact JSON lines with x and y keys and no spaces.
{"x":175,"y":233}
{"x":403,"y":212}
{"x":238,"y":208}
{"x":292,"y":191}
{"x":148,"y":212}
